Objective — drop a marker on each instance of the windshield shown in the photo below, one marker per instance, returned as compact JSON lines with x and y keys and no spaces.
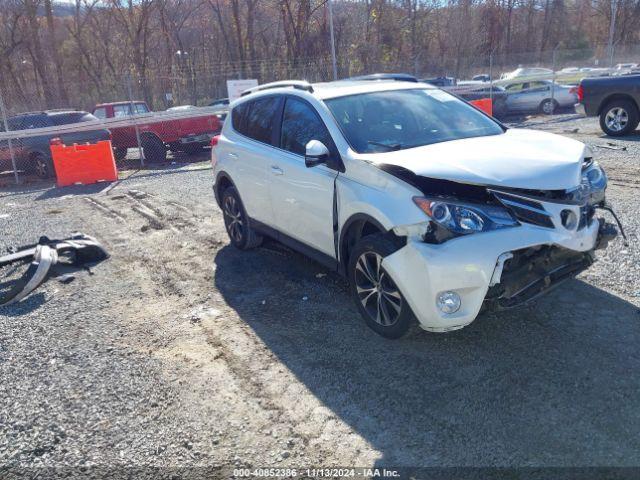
{"x":399,"y":119}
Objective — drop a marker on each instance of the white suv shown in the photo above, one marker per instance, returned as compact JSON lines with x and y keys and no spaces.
{"x":431,"y":208}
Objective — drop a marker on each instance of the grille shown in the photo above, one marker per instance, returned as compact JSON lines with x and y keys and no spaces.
{"x":528,"y":211}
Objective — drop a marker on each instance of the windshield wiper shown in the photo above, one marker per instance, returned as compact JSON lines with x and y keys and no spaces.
{"x":390,"y":146}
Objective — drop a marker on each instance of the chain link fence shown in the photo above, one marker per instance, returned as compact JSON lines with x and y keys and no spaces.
{"x":153,"y":118}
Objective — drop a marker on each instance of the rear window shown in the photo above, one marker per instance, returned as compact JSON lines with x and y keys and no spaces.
{"x":72,"y":117}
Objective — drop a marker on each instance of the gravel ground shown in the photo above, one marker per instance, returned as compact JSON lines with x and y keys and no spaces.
{"x":180,"y":351}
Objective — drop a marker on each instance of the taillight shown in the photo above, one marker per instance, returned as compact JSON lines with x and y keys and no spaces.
{"x":580,"y":93}
{"x":214,"y":140}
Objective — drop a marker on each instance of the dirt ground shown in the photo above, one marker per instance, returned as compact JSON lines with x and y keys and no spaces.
{"x":180,"y":351}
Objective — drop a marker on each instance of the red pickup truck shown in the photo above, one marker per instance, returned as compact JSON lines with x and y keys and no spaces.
{"x":158,"y":135}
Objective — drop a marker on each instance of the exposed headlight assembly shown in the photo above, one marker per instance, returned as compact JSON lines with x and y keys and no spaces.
{"x":461,"y":218}
{"x":594,"y":181}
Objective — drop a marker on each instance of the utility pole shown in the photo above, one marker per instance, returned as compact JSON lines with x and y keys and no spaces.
{"x":333,"y":41}
{"x":612,"y":30}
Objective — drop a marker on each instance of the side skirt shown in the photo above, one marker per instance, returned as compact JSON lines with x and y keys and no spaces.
{"x":296,"y":245}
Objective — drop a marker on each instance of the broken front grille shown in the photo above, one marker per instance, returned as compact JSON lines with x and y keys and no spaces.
{"x":525,"y":210}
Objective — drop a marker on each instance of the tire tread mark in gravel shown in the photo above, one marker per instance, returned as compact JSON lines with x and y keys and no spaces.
{"x":246,"y":375}
{"x":104,"y":209}
{"x":154,"y":214}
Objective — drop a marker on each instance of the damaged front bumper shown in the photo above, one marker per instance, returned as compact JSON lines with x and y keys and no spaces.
{"x":501,"y":268}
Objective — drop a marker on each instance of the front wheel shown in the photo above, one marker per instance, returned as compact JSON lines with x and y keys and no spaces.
{"x":379,"y":300}
{"x":619,"y":117}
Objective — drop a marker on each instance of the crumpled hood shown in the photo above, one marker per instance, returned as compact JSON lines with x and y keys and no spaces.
{"x":518,"y":158}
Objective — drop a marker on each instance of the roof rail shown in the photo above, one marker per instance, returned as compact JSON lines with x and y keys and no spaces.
{"x":297,"y":84}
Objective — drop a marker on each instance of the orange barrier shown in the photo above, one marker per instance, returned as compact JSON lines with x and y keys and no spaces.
{"x":484,"y":104}
{"x":85,"y":164}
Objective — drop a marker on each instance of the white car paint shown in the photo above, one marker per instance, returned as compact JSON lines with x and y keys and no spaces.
{"x":517,"y":158}
{"x":298,"y":201}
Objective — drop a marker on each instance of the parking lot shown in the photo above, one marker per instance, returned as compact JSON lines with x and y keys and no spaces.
{"x":181,"y":351}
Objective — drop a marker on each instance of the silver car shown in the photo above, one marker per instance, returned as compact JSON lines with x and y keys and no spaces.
{"x":537,"y":96}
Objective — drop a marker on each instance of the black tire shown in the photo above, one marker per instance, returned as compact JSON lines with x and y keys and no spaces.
{"x":379,"y":300}
{"x":499,"y":108}
{"x":619,"y":117}
{"x":120,"y":153}
{"x":236,"y":221}
{"x":154,"y":150}
{"x":41,"y":165}
{"x":548,"y":106}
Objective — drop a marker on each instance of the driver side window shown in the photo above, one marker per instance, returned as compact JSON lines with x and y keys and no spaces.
{"x":301,"y":124}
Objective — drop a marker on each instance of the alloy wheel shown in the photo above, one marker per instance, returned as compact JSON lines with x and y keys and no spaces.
{"x":233,"y":218}
{"x":548,"y":107}
{"x":41,"y":167}
{"x":377,"y":292}
{"x":616,"y":119}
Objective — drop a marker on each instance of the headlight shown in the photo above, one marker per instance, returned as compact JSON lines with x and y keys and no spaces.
{"x":461,"y":218}
{"x":594,"y":182}
{"x":594,"y":177}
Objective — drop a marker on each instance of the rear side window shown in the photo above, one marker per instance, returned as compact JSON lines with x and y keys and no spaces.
{"x":300,"y":125}
{"x":261,"y":119}
{"x":141,"y":108}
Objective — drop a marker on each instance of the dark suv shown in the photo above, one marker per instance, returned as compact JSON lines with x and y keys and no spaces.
{"x":33,"y":154}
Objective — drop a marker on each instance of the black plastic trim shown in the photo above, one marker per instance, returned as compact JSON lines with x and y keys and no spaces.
{"x":357,"y":217}
{"x":297,"y":245}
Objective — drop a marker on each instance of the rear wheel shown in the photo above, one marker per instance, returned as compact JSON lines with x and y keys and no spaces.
{"x":619,"y":117}
{"x":236,"y":221}
{"x":377,"y":296}
{"x":120,"y":153}
{"x":41,"y":165}
{"x":154,"y":150}
{"x":548,"y":106}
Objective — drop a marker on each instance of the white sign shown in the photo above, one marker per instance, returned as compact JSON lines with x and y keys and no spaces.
{"x":236,"y":87}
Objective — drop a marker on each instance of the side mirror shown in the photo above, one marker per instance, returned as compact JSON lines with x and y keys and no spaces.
{"x":316,"y":153}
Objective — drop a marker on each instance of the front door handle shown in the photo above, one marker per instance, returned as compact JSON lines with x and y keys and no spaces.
{"x":233,"y":156}
{"x":276,"y":170}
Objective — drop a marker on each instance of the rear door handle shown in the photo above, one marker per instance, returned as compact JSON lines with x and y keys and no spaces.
{"x":233,"y":156}
{"x":276,"y":170}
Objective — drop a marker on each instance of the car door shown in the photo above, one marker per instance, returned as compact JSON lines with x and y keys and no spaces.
{"x":251,"y":157}
{"x":517,"y":96}
{"x":538,"y":92}
{"x":301,"y":197}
